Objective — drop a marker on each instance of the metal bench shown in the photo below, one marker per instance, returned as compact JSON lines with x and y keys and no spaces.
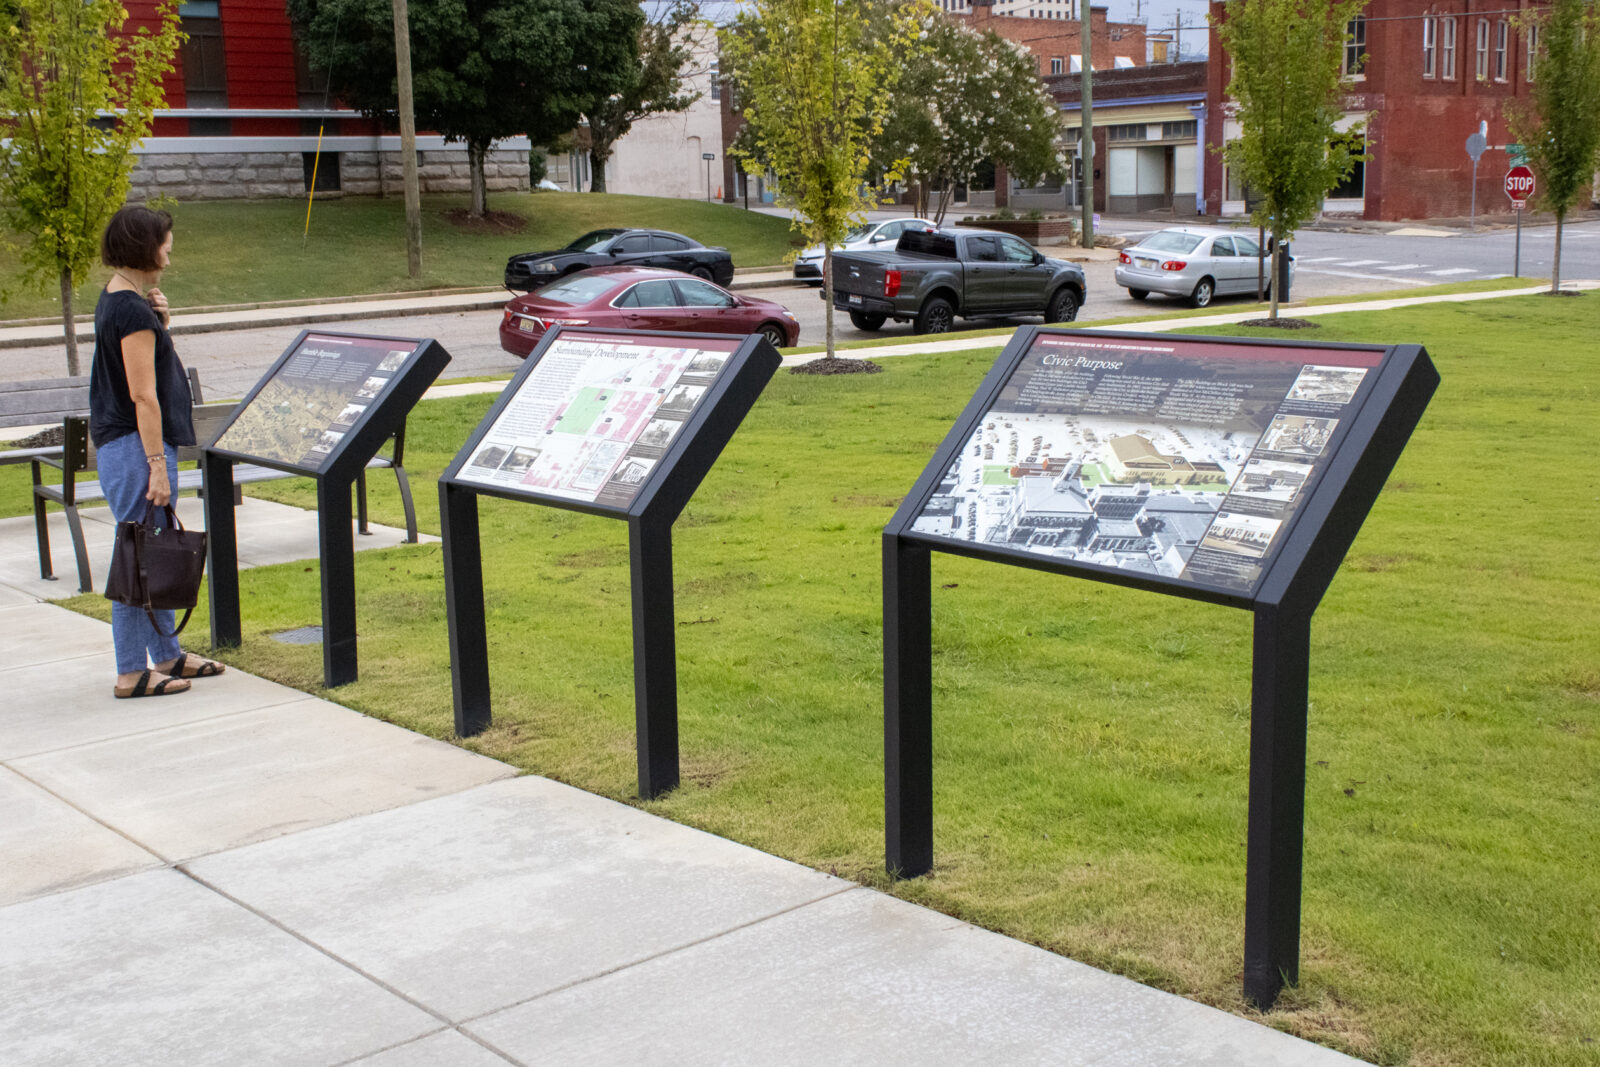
{"x":77,"y":454}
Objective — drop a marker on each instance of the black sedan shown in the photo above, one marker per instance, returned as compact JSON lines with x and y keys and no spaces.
{"x":608,"y":248}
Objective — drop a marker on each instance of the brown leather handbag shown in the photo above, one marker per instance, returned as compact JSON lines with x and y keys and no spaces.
{"x":157,"y":568}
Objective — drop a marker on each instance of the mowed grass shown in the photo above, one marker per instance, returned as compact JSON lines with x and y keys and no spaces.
{"x":237,"y":251}
{"x":1091,"y":742}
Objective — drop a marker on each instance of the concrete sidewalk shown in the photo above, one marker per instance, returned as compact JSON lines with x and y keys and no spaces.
{"x":243,"y":874}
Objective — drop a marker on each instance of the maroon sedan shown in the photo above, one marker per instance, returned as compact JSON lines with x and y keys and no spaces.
{"x":641,"y":298}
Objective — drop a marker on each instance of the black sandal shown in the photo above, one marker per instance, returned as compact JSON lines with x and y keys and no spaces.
{"x":143,"y":688}
{"x":207,"y":669}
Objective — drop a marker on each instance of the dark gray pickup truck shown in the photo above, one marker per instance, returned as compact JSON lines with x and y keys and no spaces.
{"x":930,"y":278}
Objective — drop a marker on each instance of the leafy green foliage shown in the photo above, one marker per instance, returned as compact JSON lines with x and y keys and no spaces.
{"x":65,"y":66}
{"x":671,"y":43}
{"x":964,"y":99}
{"x":482,"y":69}
{"x":1287,"y":87}
{"x":1560,"y":131}
{"x":816,"y":79}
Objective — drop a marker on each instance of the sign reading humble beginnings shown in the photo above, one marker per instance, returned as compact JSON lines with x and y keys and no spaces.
{"x":617,"y":423}
{"x":1228,"y":470}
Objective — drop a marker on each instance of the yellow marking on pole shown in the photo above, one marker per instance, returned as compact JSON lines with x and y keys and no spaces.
{"x":311,"y":193}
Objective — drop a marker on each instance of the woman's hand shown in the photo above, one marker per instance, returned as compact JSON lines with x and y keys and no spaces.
{"x":160,"y":492}
{"x":158,"y":304}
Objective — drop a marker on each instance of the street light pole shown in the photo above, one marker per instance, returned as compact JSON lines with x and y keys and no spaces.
{"x":1086,"y":145}
{"x":408,"y":140}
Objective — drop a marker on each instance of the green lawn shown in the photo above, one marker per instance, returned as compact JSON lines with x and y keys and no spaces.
{"x":237,"y":251}
{"x":1091,"y":741}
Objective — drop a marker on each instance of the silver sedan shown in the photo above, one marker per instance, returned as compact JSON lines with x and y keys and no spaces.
{"x":1195,"y":263}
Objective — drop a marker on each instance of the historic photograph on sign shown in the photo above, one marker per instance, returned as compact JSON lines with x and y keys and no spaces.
{"x":593,"y":418}
{"x":302,"y":413}
{"x":1128,"y":455}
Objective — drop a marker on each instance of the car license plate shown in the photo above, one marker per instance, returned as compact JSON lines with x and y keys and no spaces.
{"x":855,"y":298}
{"x":1147,"y":264}
{"x":525,"y":325}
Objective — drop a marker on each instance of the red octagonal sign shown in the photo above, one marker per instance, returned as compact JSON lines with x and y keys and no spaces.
{"x":1519,"y":183}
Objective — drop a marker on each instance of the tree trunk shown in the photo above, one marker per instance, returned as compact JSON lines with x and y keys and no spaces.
{"x":1555,"y":270}
{"x":827,"y":294}
{"x":1272,"y":283}
{"x":597,"y":170}
{"x":69,"y":327}
{"x":476,"y":151}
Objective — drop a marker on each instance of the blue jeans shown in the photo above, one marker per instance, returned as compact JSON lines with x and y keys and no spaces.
{"x":125,"y":476}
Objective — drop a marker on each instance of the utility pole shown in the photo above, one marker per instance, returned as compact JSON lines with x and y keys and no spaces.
{"x":408,"y":140}
{"x":1086,"y":145}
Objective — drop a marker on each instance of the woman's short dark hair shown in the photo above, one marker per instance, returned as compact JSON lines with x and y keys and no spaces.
{"x":133,"y":238}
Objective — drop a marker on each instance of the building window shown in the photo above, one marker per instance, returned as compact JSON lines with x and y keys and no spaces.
{"x":1447,"y":48}
{"x":327,"y":171}
{"x":1430,"y":45}
{"x":1055,"y":64}
{"x":716,"y":81}
{"x":205,"y":78}
{"x":1136,"y":131}
{"x":1354,"y":186}
{"x":1355,"y":46}
{"x":1502,"y":44}
{"x":1482,"y":70}
{"x":1170,"y":130}
{"x":1533,"y":53}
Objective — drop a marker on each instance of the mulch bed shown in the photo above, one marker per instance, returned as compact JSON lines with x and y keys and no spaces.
{"x":492,"y":224}
{"x":835,"y":365}
{"x":1283,"y":324}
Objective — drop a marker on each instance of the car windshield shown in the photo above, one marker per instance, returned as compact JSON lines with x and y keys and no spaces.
{"x":858,"y":232}
{"x":594,"y":241}
{"x":577,"y":289}
{"x":1172,"y":241}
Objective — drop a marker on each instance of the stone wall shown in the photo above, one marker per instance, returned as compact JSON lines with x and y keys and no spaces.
{"x":269,"y":175}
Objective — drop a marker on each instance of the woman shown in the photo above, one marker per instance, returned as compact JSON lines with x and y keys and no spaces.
{"x":139,"y":411}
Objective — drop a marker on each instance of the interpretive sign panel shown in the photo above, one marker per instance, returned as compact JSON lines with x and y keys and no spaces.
{"x":1176,"y":459}
{"x":622,"y":424}
{"x":593,"y":416}
{"x":1221,"y":469}
{"x":301,"y":412}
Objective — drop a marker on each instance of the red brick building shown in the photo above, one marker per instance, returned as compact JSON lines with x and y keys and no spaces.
{"x":1054,"y":34}
{"x":1431,"y":73}
{"x":243,"y":113}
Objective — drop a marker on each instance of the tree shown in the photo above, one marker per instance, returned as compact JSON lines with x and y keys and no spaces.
{"x":1287,"y":86}
{"x":965,"y":99}
{"x":1560,"y":131}
{"x":816,"y":83}
{"x":65,"y":67}
{"x":670,"y":46}
{"x":484,"y":69}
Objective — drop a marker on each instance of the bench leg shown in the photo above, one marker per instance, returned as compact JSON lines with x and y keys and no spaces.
{"x":411,"y":509}
{"x":85,"y":583}
{"x":361,"y":503}
{"x":41,"y":530}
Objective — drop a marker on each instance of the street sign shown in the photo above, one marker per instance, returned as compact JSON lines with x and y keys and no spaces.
{"x":1476,"y":143}
{"x":708,"y":155}
{"x":1519,"y":184}
{"x":1518,"y":155}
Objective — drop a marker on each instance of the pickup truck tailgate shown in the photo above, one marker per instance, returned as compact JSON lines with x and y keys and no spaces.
{"x":857,"y":275}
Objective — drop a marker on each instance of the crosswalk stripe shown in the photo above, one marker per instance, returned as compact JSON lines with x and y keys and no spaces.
{"x":1313,"y":259}
{"x":1358,"y":262}
{"x":1404,"y":266}
{"x":1453,"y":270}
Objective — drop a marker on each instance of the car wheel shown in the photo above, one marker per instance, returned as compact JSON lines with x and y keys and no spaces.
{"x":773,"y":334}
{"x":866,"y":320}
{"x":1063,"y":306}
{"x":1203,"y":292}
{"x":703,"y":273}
{"x":936,"y":316}
{"x":1138,"y":294}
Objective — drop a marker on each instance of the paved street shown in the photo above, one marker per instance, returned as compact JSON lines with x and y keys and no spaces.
{"x":1328,"y":264}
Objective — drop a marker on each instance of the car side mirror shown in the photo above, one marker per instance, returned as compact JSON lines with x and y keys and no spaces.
{"x":878,"y":237}
{"x":1038,"y":258}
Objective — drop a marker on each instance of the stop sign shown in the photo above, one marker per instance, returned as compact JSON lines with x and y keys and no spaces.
{"x":1519,"y":183}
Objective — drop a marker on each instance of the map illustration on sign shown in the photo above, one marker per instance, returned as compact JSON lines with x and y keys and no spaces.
{"x":597,"y":413}
{"x":301,"y":414}
{"x":1183,"y":460}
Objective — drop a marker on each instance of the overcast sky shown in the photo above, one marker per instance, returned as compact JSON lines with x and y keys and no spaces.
{"x":1158,"y":14}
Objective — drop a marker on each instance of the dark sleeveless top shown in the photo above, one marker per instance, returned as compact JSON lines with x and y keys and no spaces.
{"x":111,"y":410}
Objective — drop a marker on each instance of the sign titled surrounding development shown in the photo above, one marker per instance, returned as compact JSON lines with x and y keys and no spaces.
{"x":596,"y":414}
{"x":1183,"y":461}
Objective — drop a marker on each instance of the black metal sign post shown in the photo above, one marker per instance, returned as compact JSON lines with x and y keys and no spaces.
{"x":615,"y":423}
{"x":323,"y":410}
{"x":1295,"y":440}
